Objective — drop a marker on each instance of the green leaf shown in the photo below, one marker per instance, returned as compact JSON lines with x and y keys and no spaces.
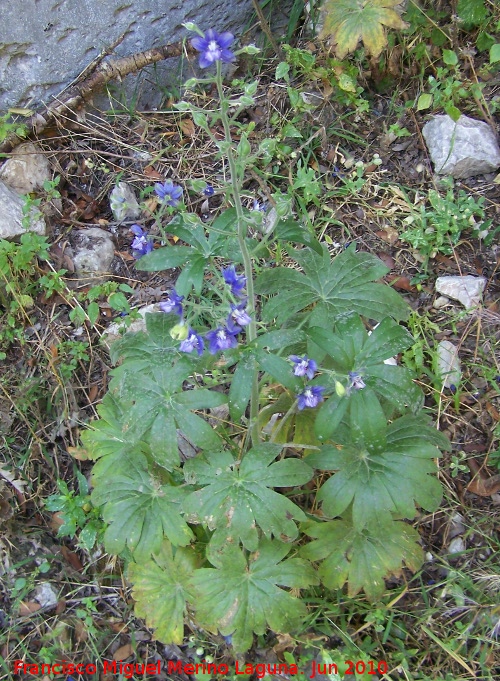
{"x":453,"y":112}
{"x":495,"y":53}
{"x":240,"y":598}
{"x":236,"y":498}
{"x":279,"y":369}
{"x":191,"y":276}
{"x":282,"y":70}
{"x":161,"y":587}
{"x":241,"y":387}
{"x":362,"y":558}
{"x":93,"y":313}
{"x":472,"y":12}
{"x":450,"y":57}
{"x":424,"y":101}
{"x":164,"y":258}
{"x":343,"y":286}
{"x":291,"y":230}
{"x":348,"y":21}
{"x":330,"y":414}
{"x":140,"y":511}
{"x":381,"y":478}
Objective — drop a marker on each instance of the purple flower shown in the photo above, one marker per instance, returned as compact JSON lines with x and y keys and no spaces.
{"x":303,"y":366}
{"x":239,"y":315}
{"x":236,"y":281}
{"x":172,"y":304}
{"x":222,"y":338}
{"x":209,"y":190}
{"x":192,"y":342}
{"x":142,"y":244}
{"x":310,"y":397}
{"x":213,"y":47}
{"x":356,"y":381}
{"x":169,"y":193}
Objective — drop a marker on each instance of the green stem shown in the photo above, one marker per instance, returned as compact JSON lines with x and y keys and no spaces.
{"x":247,"y":261}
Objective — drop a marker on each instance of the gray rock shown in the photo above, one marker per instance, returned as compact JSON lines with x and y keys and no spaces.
{"x":93,"y":253}
{"x":44,"y":47}
{"x":26,"y":169}
{"x":463,"y":148}
{"x":467,"y":290}
{"x":11,"y":215}
{"x":448,"y":364}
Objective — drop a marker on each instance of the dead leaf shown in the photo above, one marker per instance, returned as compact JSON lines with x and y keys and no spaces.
{"x":152,"y":173}
{"x":389,"y":235}
{"x":123,"y":652}
{"x":400,"y":282}
{"x":56,"y":521}
{"x":27,"y":608}
{"x":285,"y":642}
{"x":481,"y":484}
{"x":72,"y":559}
{"x":81,"y":634}
{"x":79,"y":453}
{"x":187,"y":127}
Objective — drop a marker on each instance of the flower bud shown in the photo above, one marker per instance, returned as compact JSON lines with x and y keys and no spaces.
{"x":179,"y":331}
{"x":339,"y":389}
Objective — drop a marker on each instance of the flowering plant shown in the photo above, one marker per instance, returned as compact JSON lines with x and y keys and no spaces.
{"x":268,"y":378}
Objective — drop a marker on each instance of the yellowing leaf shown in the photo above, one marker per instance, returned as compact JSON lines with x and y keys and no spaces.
{"x":347,"y":22}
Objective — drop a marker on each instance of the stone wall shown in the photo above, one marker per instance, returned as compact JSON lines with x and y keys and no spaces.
{"x":45,"y":44}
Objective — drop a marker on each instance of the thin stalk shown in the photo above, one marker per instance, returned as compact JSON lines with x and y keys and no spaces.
{"x":247,"y":260}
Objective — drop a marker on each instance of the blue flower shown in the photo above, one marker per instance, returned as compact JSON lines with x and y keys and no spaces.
{"x":142,"y":244}
{"x":214,"y":47}
{"x":172,"y":304}
{"x":209,"y":190}
{"x":239,"y":315}
{"x":303,"y":366}
{"x":310,"y":397}
{"x":193,"y":342}
{"x":236,"y":281}
{"x":223,"y":338}
{"x":169,"y":193}
{"x":356,"y":381}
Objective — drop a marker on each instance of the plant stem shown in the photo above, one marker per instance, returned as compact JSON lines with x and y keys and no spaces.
{"x":247,"y":260}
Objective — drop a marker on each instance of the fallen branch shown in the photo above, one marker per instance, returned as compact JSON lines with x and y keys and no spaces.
{"x":79,"y":93}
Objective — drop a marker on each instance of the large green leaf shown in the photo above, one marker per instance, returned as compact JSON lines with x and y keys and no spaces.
{"x":383,"y":472}
{"x":240,"y":597}
{"x":362,"y":558}
{"x":343,"y":285}
{"x":140,"y":511}
{"x":236,"y":495}
{"x":348,"y":21}
{"x":161,"y":588}
{"x":165,"y":258}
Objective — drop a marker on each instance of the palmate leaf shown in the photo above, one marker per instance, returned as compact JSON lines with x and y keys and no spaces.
{"x":348,"y":21}
{"x":160,"y":406}
{"x":340,"y":286}
{"x":239,"y":597}
{"x":140,"y":511}
{"x":387,"y":470}
{"x":362,"y":558}
{"x":161,"y":587}
{"x":236,"y":495}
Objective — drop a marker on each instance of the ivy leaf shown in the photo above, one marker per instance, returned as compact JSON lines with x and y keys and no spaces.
{"x":382,"y":459}
{"x":161,"y":587}
{"x":348,"y":21}
{"x":240,"y":597}
{"x":236,"y":495}
{"x":140,"y":511}
{"x":340,"y":286}
{"x":362,"y":558}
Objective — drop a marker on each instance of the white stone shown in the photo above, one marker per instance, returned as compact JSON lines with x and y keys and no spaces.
{"x":461,"y":148}
{"x":94,"y":251}
{"x":448,"y":364}
{"x":11,"y":215}
{"x":117,"y":329}
{"x":467,"y":290}
{"x":45,"y":595}
{"x":441,"y":301}
{"x":457,"y":545}
{"x":26,"y":169}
